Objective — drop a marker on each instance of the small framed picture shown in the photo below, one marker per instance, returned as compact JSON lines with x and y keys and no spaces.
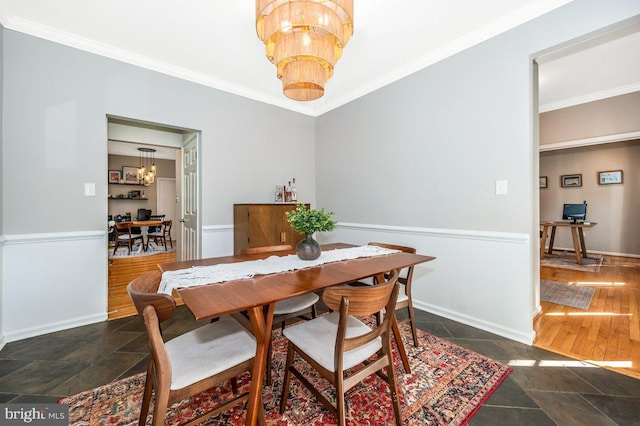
{"x":130,"y":174}
{"x":571,"y":181}
{"x":610,"y":177}
{"x":115,"y":176}
{"x":543,"y":181}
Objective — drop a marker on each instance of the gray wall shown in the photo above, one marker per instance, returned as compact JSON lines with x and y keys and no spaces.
{"x":427,"y":150}
{"x":63,"y":95}
{"x":614,"y":207}
{"x":611,"y":116}
{"x":1,"y":167}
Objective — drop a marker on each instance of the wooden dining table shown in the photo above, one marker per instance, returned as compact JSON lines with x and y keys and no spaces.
{"x":257,"y":296}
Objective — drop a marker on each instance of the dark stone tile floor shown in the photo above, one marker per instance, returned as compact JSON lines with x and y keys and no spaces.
{"x":544,"y":388}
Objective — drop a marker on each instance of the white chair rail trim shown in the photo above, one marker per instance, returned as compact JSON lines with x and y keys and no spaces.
{"x":216,"y":228}
{"x":51,"y":237}
{"x":504,"y":237}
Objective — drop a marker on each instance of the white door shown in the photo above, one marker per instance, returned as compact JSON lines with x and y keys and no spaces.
{"x":167,"y":201}
{"x":190,"y":226}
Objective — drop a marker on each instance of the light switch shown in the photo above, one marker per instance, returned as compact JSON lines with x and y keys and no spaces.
{"x":89,"y":189}
{"x":501,"y":187}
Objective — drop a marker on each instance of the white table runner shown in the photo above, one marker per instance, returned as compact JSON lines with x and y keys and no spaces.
{"x":201,"y":275}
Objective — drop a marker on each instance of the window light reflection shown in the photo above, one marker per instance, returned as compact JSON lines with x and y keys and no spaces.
{"x":599,"y":283}
{"x":568,"y":363}
{"x":585,"y":314}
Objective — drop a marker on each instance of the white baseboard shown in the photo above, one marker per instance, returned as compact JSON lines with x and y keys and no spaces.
{"x":25,"y":333}
{"x":604,"y":253}
{"x":507,"y":332}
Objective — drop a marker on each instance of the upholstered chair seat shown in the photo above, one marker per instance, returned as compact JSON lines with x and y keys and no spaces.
{"x":223,"y":344}
{"x":317,"y":339}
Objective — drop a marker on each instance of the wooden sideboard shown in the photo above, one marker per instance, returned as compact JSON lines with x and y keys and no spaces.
{"x":259,"y":225}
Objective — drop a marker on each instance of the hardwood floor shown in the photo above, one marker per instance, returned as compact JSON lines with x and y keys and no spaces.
{"x":606,"y":334}
{"x":121,"y":272}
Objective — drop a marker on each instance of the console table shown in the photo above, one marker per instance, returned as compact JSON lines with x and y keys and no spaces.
{"x":576,"y":233}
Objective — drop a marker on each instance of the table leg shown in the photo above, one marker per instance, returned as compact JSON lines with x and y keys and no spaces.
{"x":261,"y":322}
{"x":583,"y":246}
{"x":576,"y":244}
{"x":543,"y":241}
{"x":552,"y":239}
{"x":400,"y":344}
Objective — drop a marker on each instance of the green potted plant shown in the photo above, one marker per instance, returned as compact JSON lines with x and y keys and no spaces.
{"x":308,"y":222}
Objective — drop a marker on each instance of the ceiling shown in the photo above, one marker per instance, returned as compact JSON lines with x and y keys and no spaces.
{"x":214,"y":43}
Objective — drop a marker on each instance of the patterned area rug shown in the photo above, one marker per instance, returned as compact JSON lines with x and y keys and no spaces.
{"x":566,"y":294}
{"x":589,"y":264}
{"x":136,"y":251}
{"x":446,"y":386}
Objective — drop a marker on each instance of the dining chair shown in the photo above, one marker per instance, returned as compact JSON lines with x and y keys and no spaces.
{"x":284,"y":310}
{"x":405,"y":301}
{"x":192,"y":362}
{"x":163,"y":235}
{"x":335,"y":343}
{"x":125,"y":236}
{"x":155,"y":228}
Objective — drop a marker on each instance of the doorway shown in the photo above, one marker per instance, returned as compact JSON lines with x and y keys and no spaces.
{"x":572,"y":140}
{"x":163,"y":196}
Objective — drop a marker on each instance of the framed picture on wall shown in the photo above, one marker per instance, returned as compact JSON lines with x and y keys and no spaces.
{"x":543,"y":181}
{"x":115,"y":176}
{"x":610,"y":177}
{"x":130,"y":174}
{"x":571,"y":181}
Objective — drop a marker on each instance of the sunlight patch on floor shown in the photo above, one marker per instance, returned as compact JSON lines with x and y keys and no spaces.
{"x":586,"y":314}
{"x":598,"y":283}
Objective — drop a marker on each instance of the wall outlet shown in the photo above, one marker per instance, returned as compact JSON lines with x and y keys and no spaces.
{"x":89,"y":189}
{"x":501,"y":187}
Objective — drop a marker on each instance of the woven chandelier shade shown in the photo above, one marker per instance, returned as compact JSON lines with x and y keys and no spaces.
{"x":304,"y":39}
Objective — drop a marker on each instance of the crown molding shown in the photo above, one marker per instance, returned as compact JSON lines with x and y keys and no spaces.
{"x":591,"y":97}
{"x":493,"y":29}
{"x":598,"y":140}
{"x":512,"y":20}
{"x":82,"y":43}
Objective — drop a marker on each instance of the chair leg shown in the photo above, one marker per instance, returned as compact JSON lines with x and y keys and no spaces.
{"x":287,"y":378}
{"x":160,"y":407}
{"x":393,"y":388}
{"x":340,"y":404}
{"x":146,"y":399}
{"x":412,"y":320}
{"x":268,"y":372}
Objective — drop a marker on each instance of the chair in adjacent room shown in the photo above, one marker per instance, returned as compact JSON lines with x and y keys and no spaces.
{"x":159,"y":217}
{"x":192,"y":362}
{"x":297,"y":306}
{"x":126,"y":237}
{"x":162,"y":235}
{"x":335,"y":343}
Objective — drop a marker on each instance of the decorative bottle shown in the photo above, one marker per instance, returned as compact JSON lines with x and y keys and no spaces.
{"x":294,"y":191}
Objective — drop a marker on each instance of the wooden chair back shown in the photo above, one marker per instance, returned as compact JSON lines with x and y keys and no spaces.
{"x":362,"y":301}
{"x":144,"y":292}
{"x":122,"y":228}
{"x":166,"y":227}
{"x":266,"y":249}
{"x":405,"y":275}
